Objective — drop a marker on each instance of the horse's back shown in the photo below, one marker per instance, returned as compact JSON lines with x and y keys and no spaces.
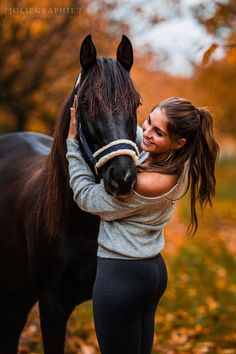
{"x":22,"y":156}
{"x":24,"y":143}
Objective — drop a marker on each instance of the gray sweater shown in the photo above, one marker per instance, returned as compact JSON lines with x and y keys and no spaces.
{"x":130,"y":228}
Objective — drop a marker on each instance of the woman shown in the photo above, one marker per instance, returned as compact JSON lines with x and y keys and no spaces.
{"x":131,"y":274}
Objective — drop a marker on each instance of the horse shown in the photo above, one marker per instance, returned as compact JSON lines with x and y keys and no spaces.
{"x":47,"y":244}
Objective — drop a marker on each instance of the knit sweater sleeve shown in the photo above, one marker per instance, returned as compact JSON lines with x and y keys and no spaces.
{"x":93,"y":197}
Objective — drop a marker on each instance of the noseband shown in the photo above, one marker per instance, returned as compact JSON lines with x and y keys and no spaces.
{"x":115,"y":148}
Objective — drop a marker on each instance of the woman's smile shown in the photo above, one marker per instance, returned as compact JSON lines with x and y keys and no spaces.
{"x":147,"y":141}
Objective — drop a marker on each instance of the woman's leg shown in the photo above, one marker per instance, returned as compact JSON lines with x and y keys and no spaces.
{"x":116,"y":309}
{"x":122,"y":292}
{"x":148,"y":314}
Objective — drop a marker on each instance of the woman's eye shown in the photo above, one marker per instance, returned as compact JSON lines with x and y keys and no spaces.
{"x":158,"y":133}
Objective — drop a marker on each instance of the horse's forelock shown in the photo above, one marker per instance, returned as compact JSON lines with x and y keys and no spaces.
{"x":109,"y":85}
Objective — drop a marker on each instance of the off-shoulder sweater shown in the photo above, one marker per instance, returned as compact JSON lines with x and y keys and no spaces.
{"x":131,"y":228}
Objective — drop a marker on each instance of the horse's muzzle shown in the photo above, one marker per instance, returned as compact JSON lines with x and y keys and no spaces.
{"x":119,"y":180}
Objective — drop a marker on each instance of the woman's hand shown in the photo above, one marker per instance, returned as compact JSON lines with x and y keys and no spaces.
{"x":72,"y":134}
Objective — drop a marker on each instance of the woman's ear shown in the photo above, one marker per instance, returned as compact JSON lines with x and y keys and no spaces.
{"x":180,"y":142}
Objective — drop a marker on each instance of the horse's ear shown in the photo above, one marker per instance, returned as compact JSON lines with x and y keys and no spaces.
{"x":124,"y":53}
{"x":88,"y":53}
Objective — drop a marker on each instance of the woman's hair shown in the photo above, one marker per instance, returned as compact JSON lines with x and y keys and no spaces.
{"x":200,"y":151}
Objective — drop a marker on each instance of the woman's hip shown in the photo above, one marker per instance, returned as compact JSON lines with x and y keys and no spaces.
{"x":138,"y":280}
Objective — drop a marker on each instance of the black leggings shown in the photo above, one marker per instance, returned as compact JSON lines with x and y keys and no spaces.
{"x":125,"y":297}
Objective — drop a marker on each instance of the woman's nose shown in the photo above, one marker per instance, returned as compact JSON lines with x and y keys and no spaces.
{"x":148,"y":132}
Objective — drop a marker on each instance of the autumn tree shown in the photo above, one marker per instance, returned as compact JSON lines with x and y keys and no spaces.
{"x":221,"y":22}
{"x":216,"y":79}
{"x":40,"y":59}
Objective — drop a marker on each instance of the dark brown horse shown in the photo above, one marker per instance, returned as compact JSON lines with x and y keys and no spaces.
{"x":47,"y":244}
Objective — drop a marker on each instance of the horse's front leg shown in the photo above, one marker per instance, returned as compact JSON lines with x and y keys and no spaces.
{"x":14,"y":309}
{"x":53,"y":318}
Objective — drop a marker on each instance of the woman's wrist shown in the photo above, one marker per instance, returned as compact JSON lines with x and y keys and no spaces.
{"x":71,"y":136}
{"x":72,"y":139}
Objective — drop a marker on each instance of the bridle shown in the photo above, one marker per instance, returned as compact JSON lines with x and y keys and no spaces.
{"x":100,"y":157}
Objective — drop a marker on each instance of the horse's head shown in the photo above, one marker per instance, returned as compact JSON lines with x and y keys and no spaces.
{"x":107,"y":104}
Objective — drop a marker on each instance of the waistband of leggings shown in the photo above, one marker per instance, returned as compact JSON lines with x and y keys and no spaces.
{"x":99,"y":258}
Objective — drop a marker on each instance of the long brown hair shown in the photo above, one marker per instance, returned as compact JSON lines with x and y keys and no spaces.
{"x":201,"y":150}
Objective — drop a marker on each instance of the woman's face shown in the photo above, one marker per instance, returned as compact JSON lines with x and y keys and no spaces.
{"x":155,"y":136}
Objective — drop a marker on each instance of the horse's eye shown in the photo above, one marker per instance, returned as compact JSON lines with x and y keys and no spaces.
{"x":84,"y":101}
{"x":84,"y":106}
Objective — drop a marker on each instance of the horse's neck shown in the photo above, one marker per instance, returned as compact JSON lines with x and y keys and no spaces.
{"x":56,"y":198}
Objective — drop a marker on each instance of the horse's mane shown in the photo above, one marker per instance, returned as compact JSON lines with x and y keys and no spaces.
{"x":107,"y":81}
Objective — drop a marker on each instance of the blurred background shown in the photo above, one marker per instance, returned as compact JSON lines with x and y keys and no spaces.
{"x":184,"y":48}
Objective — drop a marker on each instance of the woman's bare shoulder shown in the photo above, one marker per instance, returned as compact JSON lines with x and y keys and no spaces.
{"x":153,"y":184}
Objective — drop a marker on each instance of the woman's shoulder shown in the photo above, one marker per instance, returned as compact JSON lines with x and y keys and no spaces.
{"x":154,"y":184}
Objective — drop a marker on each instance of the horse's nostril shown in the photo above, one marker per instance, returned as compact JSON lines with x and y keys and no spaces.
{"x":114,"y":183}
{"x":112,"y":174}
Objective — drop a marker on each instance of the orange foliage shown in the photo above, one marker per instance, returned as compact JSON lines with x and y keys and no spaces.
{"x":155,"y":86}
{"x":27,"y":42}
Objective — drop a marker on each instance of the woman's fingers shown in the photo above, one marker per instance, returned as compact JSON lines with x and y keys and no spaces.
{"x":75,"y":102}
{"x":73,"y":115}
{"x":73,"y":109}
{"x":72,"y":128}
